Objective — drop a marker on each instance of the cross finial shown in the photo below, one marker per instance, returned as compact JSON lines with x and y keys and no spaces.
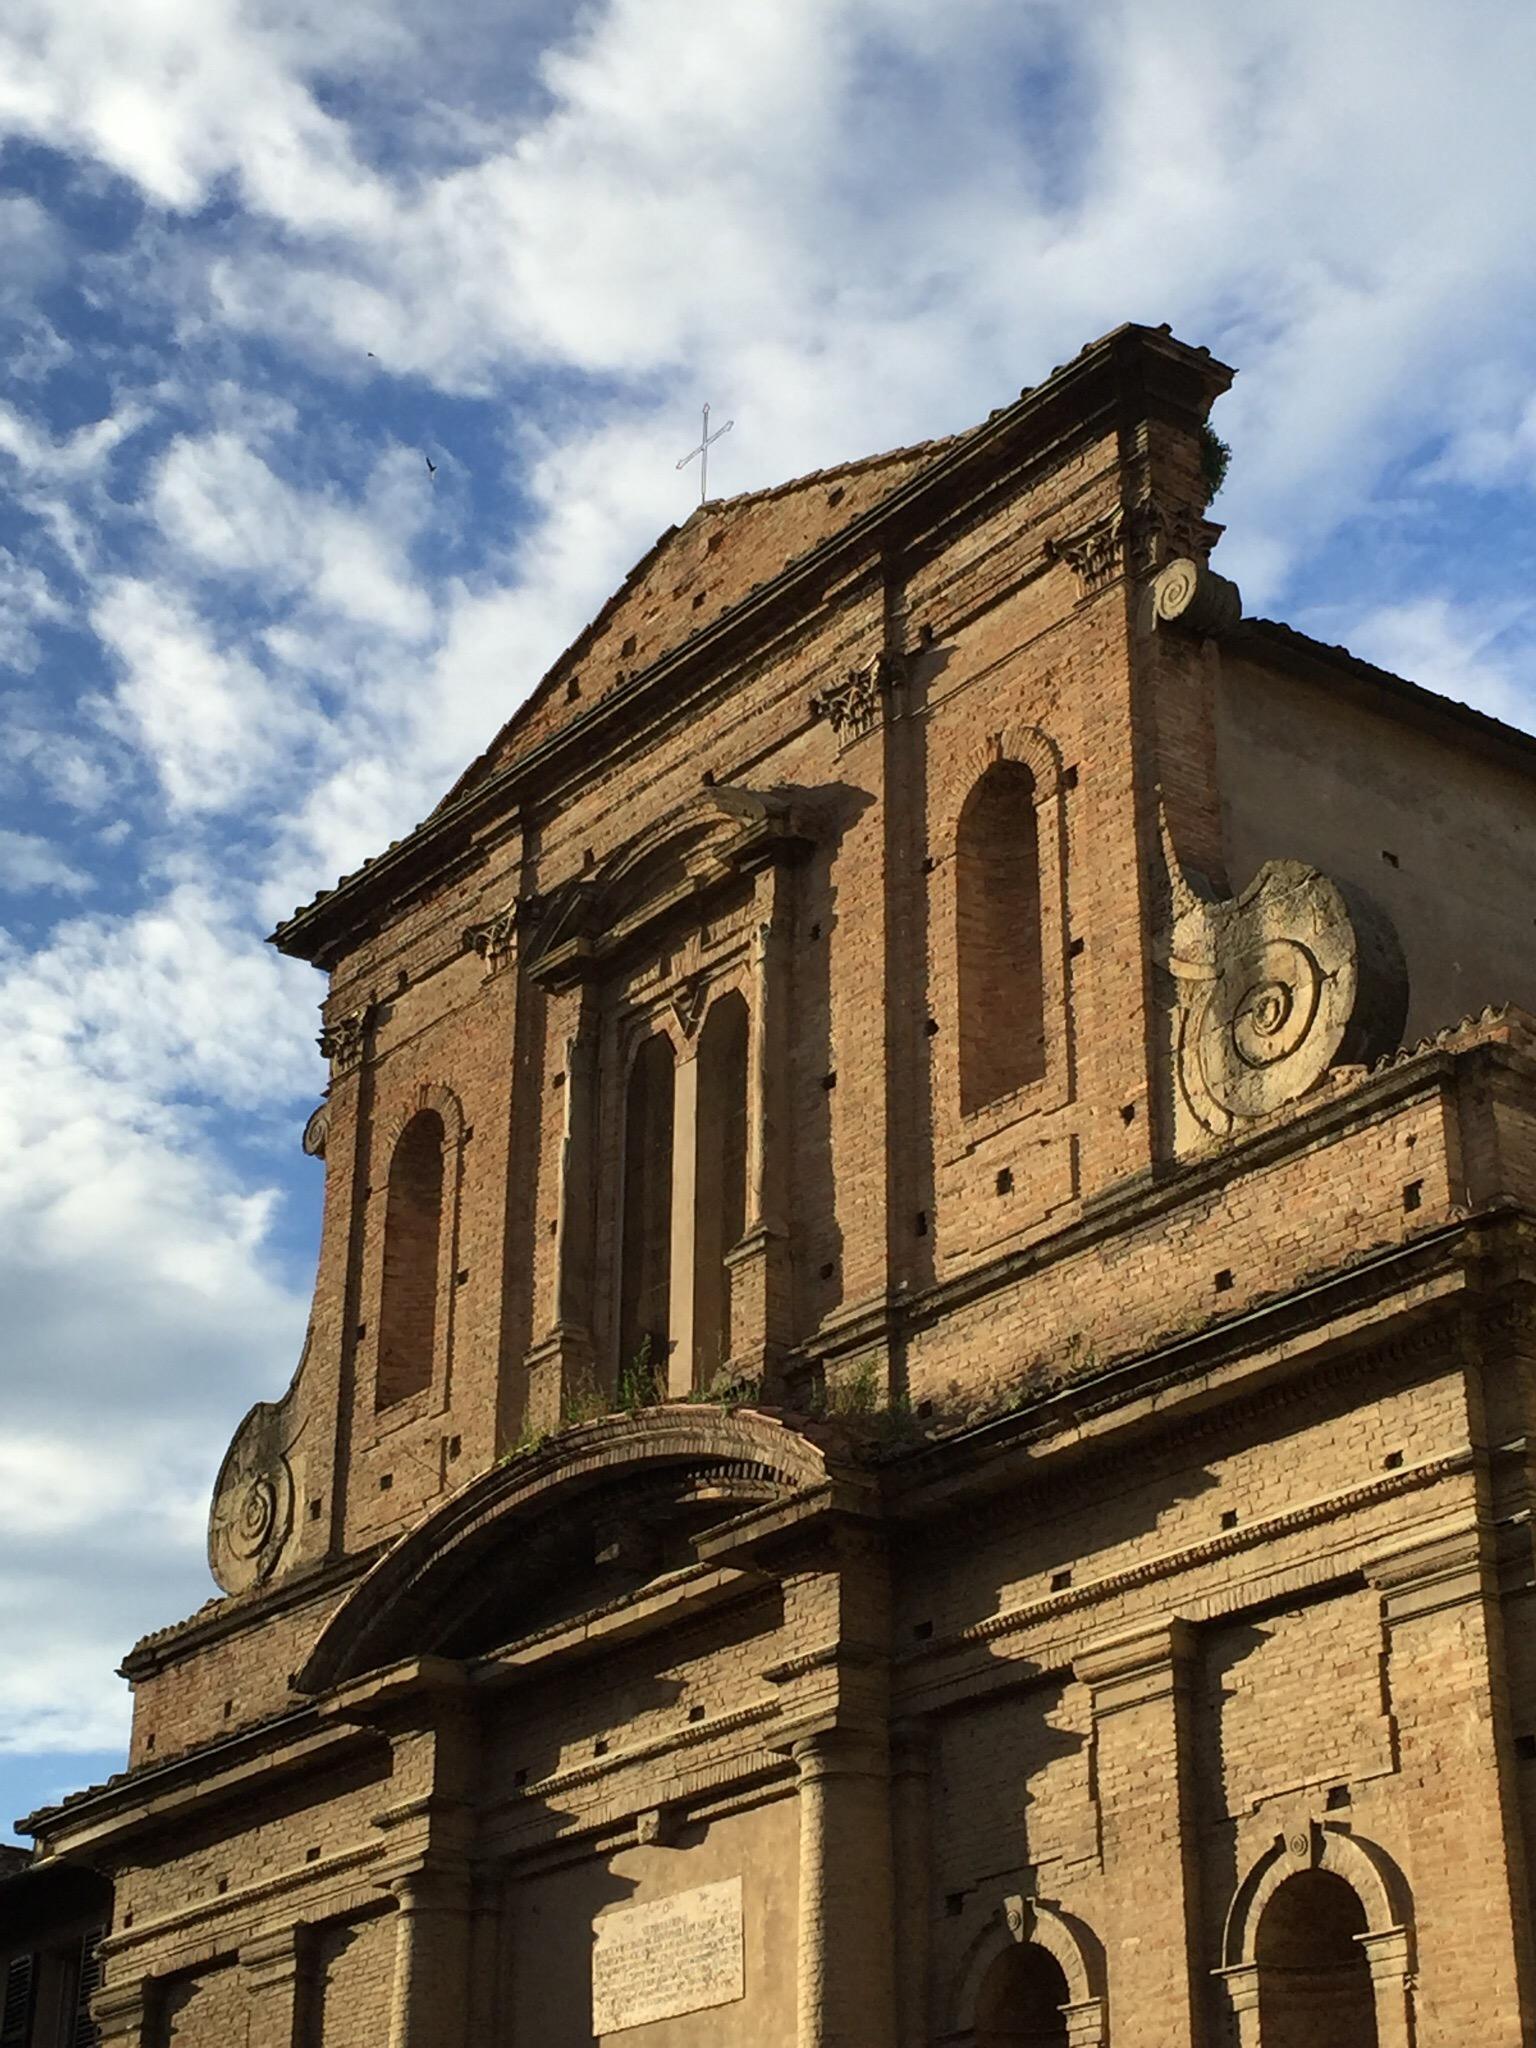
{"x":702,"y":451}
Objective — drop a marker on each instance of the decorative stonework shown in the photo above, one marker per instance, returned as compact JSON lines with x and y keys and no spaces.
{"x":1133,"y":539}
{"x":343,"y":1040}
{"x":1096,"y":555}
{"x":252,"y":1514}
{"x":1065,"y":1939}
{"x":1273,"y":988}
{"x":688,"y":1002}
{"x":317,"y":1132}
{"x":856,"y":705}
{"x":1313,"y":1843}
{"x":495,"y":939}
{"x":1189,"y":595}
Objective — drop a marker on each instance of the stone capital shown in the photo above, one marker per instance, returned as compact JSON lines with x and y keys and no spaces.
{"x":1136,"y":1665}
{"x":834,"y":1752}
{"x":272,"y":1961}
{"x":1420,"y":1571}
{"x":121,"y":2011}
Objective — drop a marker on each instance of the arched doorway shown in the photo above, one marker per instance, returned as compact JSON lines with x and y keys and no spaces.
{"x":1315,"y":1986}
{"x":1021,"y":1999}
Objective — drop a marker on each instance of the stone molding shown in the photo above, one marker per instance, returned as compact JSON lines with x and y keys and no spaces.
{"x":1424,"y":1570}
{"x":1255,"y":1535}
{"x":669,"y":873}
{"x":768,"y":1456}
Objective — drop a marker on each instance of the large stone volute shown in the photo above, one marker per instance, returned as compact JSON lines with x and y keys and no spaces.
{"x":1274,"y":987}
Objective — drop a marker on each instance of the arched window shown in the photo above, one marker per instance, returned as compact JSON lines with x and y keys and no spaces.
{"x":646,"y":1257}
{"x":413,"y":1224}
{"x":1021,"y":1999}
{"x":720,"y":1212}
{"x":1315,"y":1986}
{"x":1000,"y":960}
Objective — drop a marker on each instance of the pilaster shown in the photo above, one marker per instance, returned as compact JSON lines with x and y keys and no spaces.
{"x":123,"y":2013}
{"x":561,"y":1366}
{"x":1140,"y":1681}
{"x":761,"y":1305}
{"x":429,"y":2002}
{"x":273,"y":1971}
{"x":911,"y":1856}
{"x":681,"y":1301}
{"x":1440,"y":1612}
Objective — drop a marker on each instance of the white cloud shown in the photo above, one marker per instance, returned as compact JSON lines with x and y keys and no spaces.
{"x":28,"y":862}
{"x":211,"y":722}
{"x":220,"y":503}
{"x":26,"y":601}
{"x":142,"y":1311}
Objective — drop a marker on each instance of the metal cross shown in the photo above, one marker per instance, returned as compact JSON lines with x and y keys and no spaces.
{"x":702,"y":451}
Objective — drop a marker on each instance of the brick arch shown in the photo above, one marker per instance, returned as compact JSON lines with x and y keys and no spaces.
{"x":738,"y":1459}
{"x":432,"y":1095}
{"x":1383,"y":1893}
{"x":1065,"y":1939}
{"x":1029,"y":745}
{"x":1368,"y":1871}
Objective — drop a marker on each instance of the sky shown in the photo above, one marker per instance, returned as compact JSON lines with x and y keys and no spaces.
{"x":263,"y":259}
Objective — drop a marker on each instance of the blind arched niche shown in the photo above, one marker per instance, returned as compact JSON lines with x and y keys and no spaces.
{"x":1000,"y":963}
{"x":645,"y":1271}
{"x":413,"y":1230}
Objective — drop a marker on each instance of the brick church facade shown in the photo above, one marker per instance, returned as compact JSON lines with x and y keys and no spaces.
{"x":915,"y":1431}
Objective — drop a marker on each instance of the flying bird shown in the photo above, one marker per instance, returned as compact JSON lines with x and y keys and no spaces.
{"x":431,"y":467}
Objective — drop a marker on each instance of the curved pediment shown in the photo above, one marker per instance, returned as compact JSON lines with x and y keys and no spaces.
{"x":675,"y":865}
{"x":576,"y":1523}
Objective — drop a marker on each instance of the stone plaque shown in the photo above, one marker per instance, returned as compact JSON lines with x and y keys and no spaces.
{"x":672,"y":1956}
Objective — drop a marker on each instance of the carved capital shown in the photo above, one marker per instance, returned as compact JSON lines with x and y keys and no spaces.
{"x":343,"y":1040}
{"x":1096,"y":555}
{"x":856,"y":704}
{"x":495,"y":939}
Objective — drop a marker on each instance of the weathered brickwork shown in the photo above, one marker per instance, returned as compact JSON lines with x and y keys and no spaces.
{"x":922,"y":1357}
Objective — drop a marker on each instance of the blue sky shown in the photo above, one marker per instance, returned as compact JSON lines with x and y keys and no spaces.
{"x":263,"y":260}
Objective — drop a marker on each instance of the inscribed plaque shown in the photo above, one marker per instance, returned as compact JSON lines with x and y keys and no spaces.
{"x":671,"y":1956}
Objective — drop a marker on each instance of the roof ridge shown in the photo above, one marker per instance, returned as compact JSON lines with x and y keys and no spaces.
{"x":855,"y":467}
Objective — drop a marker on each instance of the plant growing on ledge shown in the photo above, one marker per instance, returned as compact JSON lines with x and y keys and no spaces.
{"x":1215,"y":459}
{"x":639,"y":1386}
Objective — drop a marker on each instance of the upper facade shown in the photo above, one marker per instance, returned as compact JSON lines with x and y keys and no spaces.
{"x":903,"y":862}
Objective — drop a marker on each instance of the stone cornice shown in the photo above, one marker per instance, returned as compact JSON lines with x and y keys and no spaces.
{"x":1167,"y":1564}
{"x":1280,"y":1340}
{"x":212,"y":1775}
{"x":240,"y":1611}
